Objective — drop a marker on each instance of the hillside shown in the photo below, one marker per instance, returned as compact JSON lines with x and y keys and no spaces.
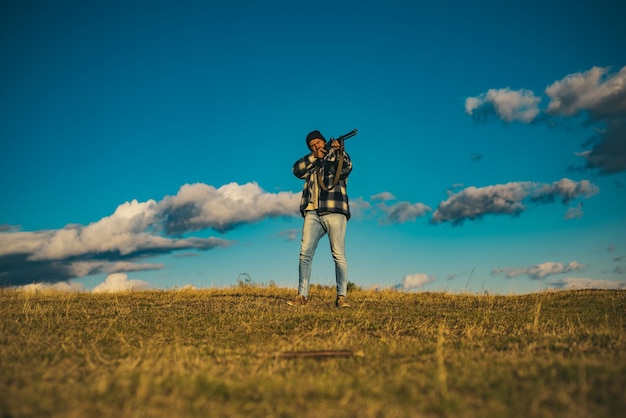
{"x":242,"y":351}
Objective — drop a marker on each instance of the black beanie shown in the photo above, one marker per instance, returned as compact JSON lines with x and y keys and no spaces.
{"x":312,"y":135}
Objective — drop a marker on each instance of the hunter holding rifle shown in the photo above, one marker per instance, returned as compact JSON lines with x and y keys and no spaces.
{"x":324,"y":206}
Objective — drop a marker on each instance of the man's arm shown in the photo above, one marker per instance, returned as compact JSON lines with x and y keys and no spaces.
{"x":304,"y":166}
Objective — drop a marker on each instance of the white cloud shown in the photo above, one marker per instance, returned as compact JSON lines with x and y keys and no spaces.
{"x":127,"y":231}
{"x":401,"y":212}
{"x":543,"y":270}
{"x":507,"y":199}
{"x":417,"y":280}
{"x":509,"y":105}
{"x":574,"y":212}
{"x":54,"y":287}
{"x":565,"y":189}
{"x":602,"y":96}
{"x":383,"y":197}
{"x":596,"y":91}
{"x":23,"y":242}
{"x":200,"y":206}
{"x":122,"y":232}
{"x":75,"y":241}
{"x":119,"y":282}
{"x":121,"y":266}
{"x":474,"y":202}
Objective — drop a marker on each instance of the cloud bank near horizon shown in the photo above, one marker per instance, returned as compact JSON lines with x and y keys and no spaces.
{"x":120,"y":282}
{"x":540,"y":271}
{"x":135,"y":231}
{"x":117,"y":282}
{"x":597,"y":93}
{"x":580,"y":283}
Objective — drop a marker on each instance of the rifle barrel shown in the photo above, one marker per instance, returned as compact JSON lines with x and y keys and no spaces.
{"x":348,"y":135}
{"x":340,"y":139}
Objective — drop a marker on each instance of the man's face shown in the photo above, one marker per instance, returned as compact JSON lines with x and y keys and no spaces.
{"x":317,"y":146}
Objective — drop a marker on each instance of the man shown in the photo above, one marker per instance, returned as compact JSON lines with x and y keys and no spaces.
{"x":324,"y":206}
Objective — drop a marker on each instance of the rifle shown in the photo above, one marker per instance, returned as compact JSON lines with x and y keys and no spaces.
{"x":327,"y":147}
{"x":341,"y":138}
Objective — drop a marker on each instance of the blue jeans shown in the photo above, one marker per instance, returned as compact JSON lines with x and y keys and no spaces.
{"x":314,"y":228}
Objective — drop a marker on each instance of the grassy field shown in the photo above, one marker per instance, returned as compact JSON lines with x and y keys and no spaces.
{"x":221,"y":352}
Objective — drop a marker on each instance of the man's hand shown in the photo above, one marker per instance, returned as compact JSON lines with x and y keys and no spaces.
{"x":317,"y":146}
{"x":319,"y":152}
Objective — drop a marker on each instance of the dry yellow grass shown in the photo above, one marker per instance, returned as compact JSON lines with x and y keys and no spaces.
{"x":204,"y":353}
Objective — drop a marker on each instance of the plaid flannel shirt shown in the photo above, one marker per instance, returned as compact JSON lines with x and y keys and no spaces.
{"x":334,"y":200}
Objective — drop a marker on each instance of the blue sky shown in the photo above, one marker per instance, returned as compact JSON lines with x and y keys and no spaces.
{"x":150,"y":143}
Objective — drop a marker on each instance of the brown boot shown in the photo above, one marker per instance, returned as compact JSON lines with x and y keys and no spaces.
{"x":342,"y":302}
{"x":298,"y":301}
